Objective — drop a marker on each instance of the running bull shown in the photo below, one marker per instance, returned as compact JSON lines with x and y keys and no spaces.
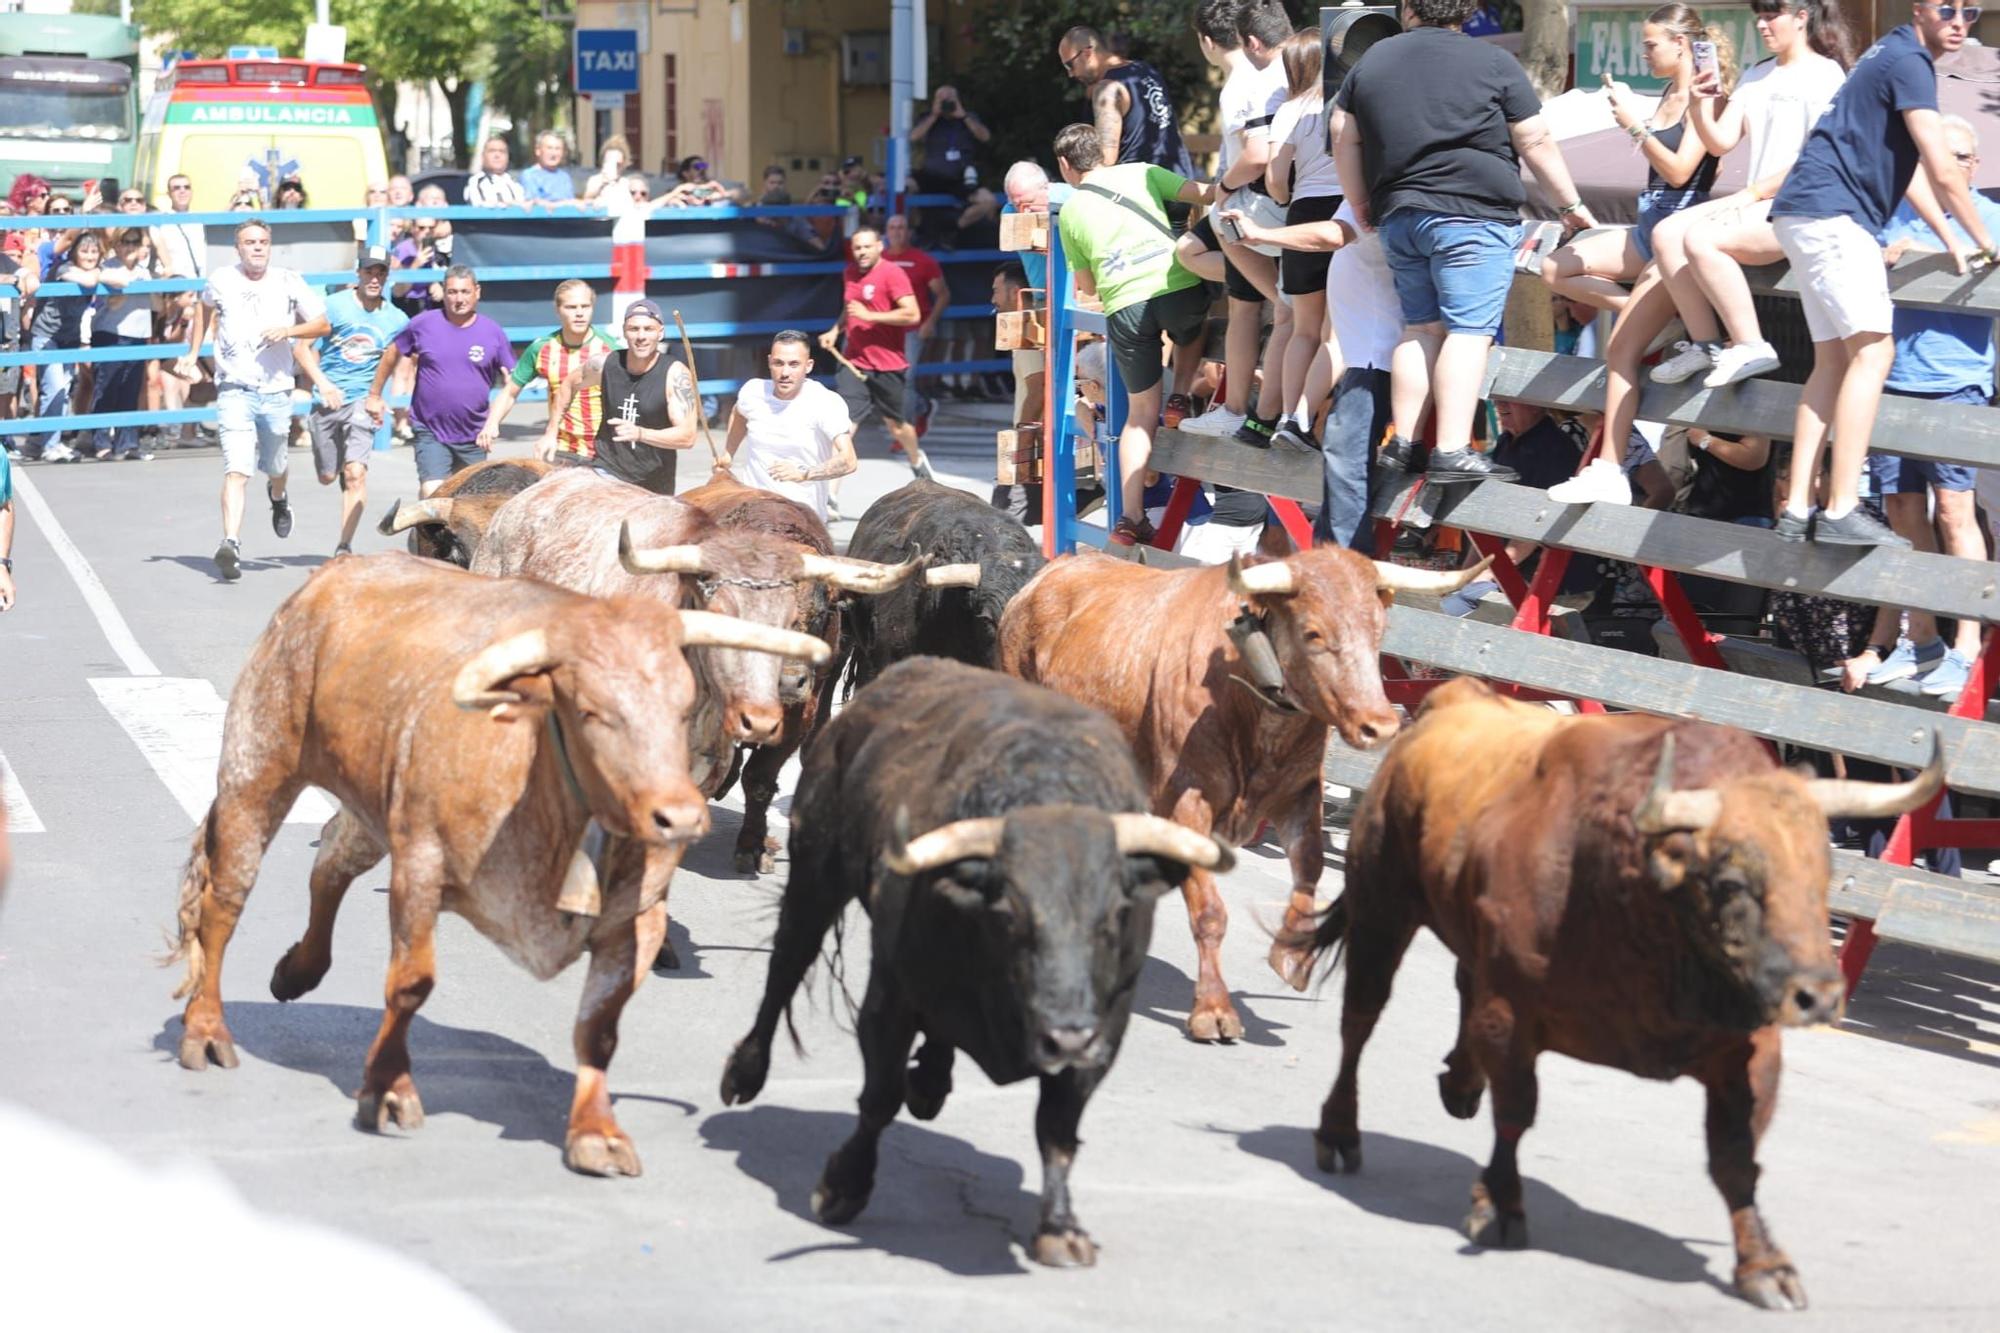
{"x":1631,"y":891}
{"x":1012,"y":926}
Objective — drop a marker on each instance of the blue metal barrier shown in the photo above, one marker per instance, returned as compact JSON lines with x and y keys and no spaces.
{"x":1061,"y":530}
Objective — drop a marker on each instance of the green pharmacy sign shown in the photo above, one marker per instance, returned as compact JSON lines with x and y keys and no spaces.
{"x":1607,"y":42}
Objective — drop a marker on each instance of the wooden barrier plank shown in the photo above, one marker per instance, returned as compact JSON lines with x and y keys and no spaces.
{"x":1286,"y":473}
{"x":1919,"y":281}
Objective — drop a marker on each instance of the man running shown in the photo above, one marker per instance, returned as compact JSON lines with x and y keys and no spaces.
{"x":258,"y":309}
{"x":352,"y":335}
{"x":649,"y":406}
{"x":569,"y":439}
{"x":461,"y":355}
{"x":788,"y":433}
{"x":878,"y":307}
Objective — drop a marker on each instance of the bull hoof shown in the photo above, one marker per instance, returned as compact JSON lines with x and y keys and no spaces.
{"x":1459,"y":1103}
{"x":747,"y":862}
{"x":744,"y":1072}
{"x":1492,"y":1229}
{"x":1335,"y":1156}
{"x":602,"y":1155}
{"x":1214,"y":1022}
{"x":377,"y":1108}
{"x":1064,"y":1249}
{"x":1772,"y":1285}
{"x":1293,"y":966}
{"x":291,"y":979}
{"x":835,"y":1208}
{"x":666,"y":960}
{"x":198,"y":1048}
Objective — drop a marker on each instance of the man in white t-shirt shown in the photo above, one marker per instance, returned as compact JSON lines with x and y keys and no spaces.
{"x":254,"y":310}
{"x":790,"y":434}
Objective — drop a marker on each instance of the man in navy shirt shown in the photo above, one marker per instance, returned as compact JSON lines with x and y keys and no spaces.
{"x":1859,"y":160}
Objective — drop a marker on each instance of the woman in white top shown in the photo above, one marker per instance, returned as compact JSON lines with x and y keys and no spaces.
{"x":1301,"y":176}
{"x":789,"y":433}
{"x":1700,"y":253}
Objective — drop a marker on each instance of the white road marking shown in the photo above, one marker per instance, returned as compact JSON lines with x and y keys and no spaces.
{"x":21,"y":816}
{"x":94,"y":593}
{"x":177,"y":725}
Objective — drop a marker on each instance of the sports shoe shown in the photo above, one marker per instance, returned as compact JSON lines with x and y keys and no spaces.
{"x":1856,"y":527}
{"x":1792,"y":527}
{"x":832,"y":510}
{"x":1255,"y":432}
{"x":281,"y":513}
{"x":1466,"y":465}
{"x":1126,"y":532}
{"x":342,"y":549}
{"x":1397,"y":454}
{"x":60,"y":453}
{"x":1218,"y":420}
{"x":1292,"y":435}
{"x":1177,"y":410}
{"x":1689,"y":358}
{"x":921,"y":466}
{"x":1948,"y":678}
{"x":404,"y":431}
{"x":1909,"y":660}
{"x":1741,"y":361}
{"x":229,"y":560}
{"x":142,"y":454}
{"x":1601,"y":482}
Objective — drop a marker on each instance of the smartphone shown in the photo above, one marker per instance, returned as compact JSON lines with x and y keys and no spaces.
{"x":1704,"y":57}
{"x":1228,"y":229}
{"x":90,"y":187}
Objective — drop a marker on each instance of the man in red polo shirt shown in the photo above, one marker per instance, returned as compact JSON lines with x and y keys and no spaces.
{"x":878,"y":309}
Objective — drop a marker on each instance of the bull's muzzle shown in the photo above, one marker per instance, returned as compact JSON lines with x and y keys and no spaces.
{"x":1811,"y":998}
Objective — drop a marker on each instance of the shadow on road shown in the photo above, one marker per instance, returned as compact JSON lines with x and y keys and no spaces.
{"x":1164,"y":993}
{"x":1424,"y":1184}
{"x":205,"y":564}
{"x":1928,"y":1001}
{"x":924,"y":1206}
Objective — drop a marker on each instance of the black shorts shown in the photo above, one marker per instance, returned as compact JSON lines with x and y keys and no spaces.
{"x":1239,"y":287}
{"x":1300,"y":273}
{"x":1134,"y":333}
{"x":881,"y":393}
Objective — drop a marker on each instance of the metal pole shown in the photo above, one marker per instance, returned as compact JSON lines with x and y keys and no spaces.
{"x":321,"y":15}
{"x":903,"y":39}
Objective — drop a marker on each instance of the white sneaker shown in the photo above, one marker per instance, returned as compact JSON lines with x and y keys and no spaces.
{"x":1688,"y":359}
{"x":60,"y":453}
{"x":1741,"y":361}
{"x":1601,"y":482}
{"x":1218,"y":420}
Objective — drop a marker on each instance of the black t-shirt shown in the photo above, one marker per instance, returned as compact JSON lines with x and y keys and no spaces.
{"x":1727,"y":493}
{"x":1151,"y":132}
{"x":948,"y":150}
{"x":1434,"y":107}
{"x":641,"y":399}
{"x":1704,"y":173}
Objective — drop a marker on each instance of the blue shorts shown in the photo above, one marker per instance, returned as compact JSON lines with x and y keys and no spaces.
{"x":1894,"y":475}
{"x":1455,"y":269}
{"x":253,"y":428}
{"x":438,"y":459}
{"x":1655,"y":207}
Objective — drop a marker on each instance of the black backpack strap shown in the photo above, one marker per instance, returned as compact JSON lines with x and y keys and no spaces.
{"x":1122,"y":201}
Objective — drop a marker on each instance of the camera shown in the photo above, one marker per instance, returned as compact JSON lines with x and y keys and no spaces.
{"x":949,"y":106}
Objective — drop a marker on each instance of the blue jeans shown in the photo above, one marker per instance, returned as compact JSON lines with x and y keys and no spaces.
{"x":1347,"y":446}
{"x":120,"y":384}
{"x":1454,"y":270}
{"x":55,"y":380}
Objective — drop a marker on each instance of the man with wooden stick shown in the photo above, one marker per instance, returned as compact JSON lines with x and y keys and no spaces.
{"x":649,"y":404}
{"x":878,"y":307}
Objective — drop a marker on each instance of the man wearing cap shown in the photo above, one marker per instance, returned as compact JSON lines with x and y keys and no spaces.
{"x":649,"y":404}
{"x":340,"y":352}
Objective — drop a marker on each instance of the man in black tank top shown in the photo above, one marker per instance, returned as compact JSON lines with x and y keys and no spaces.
{"x":1129,"y":103}
{"x":649,"y":407}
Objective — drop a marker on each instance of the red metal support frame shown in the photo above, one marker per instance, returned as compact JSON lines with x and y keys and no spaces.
{"x":1178,"y":504}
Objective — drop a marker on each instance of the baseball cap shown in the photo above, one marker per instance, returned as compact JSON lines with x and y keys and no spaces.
{"x":650,"y":309}
{"x":853,"y":160}
{"x":373,"y":256}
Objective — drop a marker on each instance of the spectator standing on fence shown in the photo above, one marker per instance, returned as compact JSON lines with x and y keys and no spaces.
{"x":1129,"y":104}
{"x":340,"y":354}
{"x":933,"y":295}
{"x":1302,"y":177}
{"x":650,"y":413}
{"x":878,"y":308}
{"x":461,"y":356}
{"x":574,"y":412}
{"x":1120,"y":247}
{"x":548,"y":180}
{"x":788,"y":433}
{"x":493,"y":186}
{"x":123,"y":321}
{"x":1860,"y":158}
{"x":259,"y":308}
{"x":951,"y":135}
{"x":1439,"y":176}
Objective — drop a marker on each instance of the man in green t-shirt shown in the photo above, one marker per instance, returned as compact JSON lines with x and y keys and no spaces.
{"x":1119,"y":244}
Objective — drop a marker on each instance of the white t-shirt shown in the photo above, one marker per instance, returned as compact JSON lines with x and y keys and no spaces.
{"x":1249,"y":99}
{"x":129,"y":317}
{"x":1301,"y":122}
{"x":1781,"y":104}
{"x":1361,"y":300}
{"x":243,"y":310}
{"x":182,"y":248}
{"x":800,"y":430}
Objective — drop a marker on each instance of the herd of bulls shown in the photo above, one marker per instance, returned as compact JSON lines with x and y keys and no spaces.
{"x":1031,"y":755}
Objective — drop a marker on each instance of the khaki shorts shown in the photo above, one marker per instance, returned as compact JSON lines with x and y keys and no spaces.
{"x":1843,"y":284}
{"x":341,"y":436}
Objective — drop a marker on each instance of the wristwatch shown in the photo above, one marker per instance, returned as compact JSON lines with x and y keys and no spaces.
{"x":7,"y":563}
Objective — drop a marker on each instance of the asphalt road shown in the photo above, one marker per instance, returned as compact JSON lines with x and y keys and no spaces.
{"x":1196,"y":1178}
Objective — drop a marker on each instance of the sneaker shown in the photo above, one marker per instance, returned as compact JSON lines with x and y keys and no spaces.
{"x":1466,"y":465}
{"x":404,"y":431}
{"x":1601,"y":482}
{"x":1792,"y":527}
{"x":281,"y":513}
{"x":60,"y":453}
{"x":140,"y":455}
{"x":229,"y":560}
{"x":1177,"y":410}
{"x":1255,"y":432}
{"x":1689,"y":359}
{"x":1292,"y":435}
{"x":1218,"y":420}
{"x":342,"y":549}
{"x":1126,"y":532}
{"x":1909,"y":660}
{"x":1397,"y":454}
{"x":1948,"y":678}
{"x":1856,"y":527}
{"x":1741,"y":361}
{"x":921,"y":466}
{"x":833,"y":510}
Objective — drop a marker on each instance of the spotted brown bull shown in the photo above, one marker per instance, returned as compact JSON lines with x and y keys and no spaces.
{"x":449,"y":523}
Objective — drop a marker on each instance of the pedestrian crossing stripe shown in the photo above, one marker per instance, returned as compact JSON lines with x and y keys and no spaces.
{"x":21,"y":816}
{"x":177,"y":725}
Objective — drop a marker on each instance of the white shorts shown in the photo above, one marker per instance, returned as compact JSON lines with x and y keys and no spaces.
{"x":1213,"y":543}
{"x":253,"y":428}
{"x":1843,"y":283}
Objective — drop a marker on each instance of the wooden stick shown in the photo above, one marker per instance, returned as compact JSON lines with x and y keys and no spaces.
{"x":859,"y":373}
{"x":701,"y":412}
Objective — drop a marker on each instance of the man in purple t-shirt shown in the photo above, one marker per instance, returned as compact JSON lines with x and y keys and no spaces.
{"x":461,"y":356}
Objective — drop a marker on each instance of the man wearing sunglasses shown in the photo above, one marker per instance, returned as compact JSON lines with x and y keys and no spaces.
{"x":1129,"y":103}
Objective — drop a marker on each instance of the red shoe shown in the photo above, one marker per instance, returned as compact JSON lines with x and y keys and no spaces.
{"x":1127,"y":533}
{"x":1177,"y":410}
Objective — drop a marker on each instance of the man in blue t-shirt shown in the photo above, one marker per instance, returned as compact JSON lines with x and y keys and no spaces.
{"x":339,"y":354}
{"x":1857,"y":163}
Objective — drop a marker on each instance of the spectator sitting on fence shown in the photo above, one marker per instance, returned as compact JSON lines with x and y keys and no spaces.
{"x":548,"y":180}
{"x":123,"y":321}
{"x":357,"y":327}
{"x":291,"y":193}
{"x":493,"y":186}
{"x":613,"y":155}
{"x":1301,"y":176}
{"x":574,"y":412}
{"x":951,"y":135}
{"x":695,"y":186}
{"x":799,"y":229}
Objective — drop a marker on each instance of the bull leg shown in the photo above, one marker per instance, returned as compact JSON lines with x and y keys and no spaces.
{"x":1742,"y":1095}
{"x":1212,"y":1017}
{"x":886,"y":1026}
{"x":387,"y":1093}
{"x":1059,"y":1241}
{"x":1305,"y":849}
{"x":1500,"y":1042}
{"x":346,"y":850}
{"x":930,"y":1078}
{"x":1462,"y":1083}
{"x":805,"y":914}
{"x":1374,"y":952}
{"x":756,"y":850}
{"x":594,"y":1144}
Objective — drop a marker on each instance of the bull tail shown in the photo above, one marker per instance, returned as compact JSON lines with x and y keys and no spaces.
{"x":1325,"y":940}
{"x":194,"y":887}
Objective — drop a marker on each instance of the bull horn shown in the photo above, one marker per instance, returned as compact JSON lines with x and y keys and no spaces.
{"x":1401,"y":578}
{"x":400,"y":519}
{"x":862,"y":576}
{"x":1274,"y":578}
{"x":1665,"y":810}
{"x":952,"y":576}
{"x":1840,"y":797}
{"x":956,"y":841}
{"x":657,"y":559}
{"x":478,"y":682}
{"x":1150,"y":835}
{"x":708,"y":629}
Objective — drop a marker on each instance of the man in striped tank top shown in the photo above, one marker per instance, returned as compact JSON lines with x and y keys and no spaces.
{"x":573,"y":415}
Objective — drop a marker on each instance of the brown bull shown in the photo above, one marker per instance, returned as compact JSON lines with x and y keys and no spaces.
{"x":1227,"y":737}
{"x":1631,"y":891}
{"x":449,"y":523}
{"x":470,"y":729}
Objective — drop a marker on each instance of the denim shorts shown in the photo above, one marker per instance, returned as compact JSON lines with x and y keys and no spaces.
{"x":1457,"y":270}
{"x":438,"y":459}
{"x":253,"y":428}
{"x":1895,"y":475}
{"x":1655,"y":207}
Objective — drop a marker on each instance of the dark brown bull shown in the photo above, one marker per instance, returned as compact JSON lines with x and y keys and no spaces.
{"x":1227,"y":738}
{"x":448,"y":525}
{"x":1631,"y":891}
{"x":470,"y":728}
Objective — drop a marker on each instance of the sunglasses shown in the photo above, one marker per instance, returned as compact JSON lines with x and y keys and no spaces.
{"x":131,"y":198}
{"x":63,"y":207}
{"x":179,"y":186}
{"x":1970,"y":13}
{"x":1966,"y":159}
{"x":1073,"y":59}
